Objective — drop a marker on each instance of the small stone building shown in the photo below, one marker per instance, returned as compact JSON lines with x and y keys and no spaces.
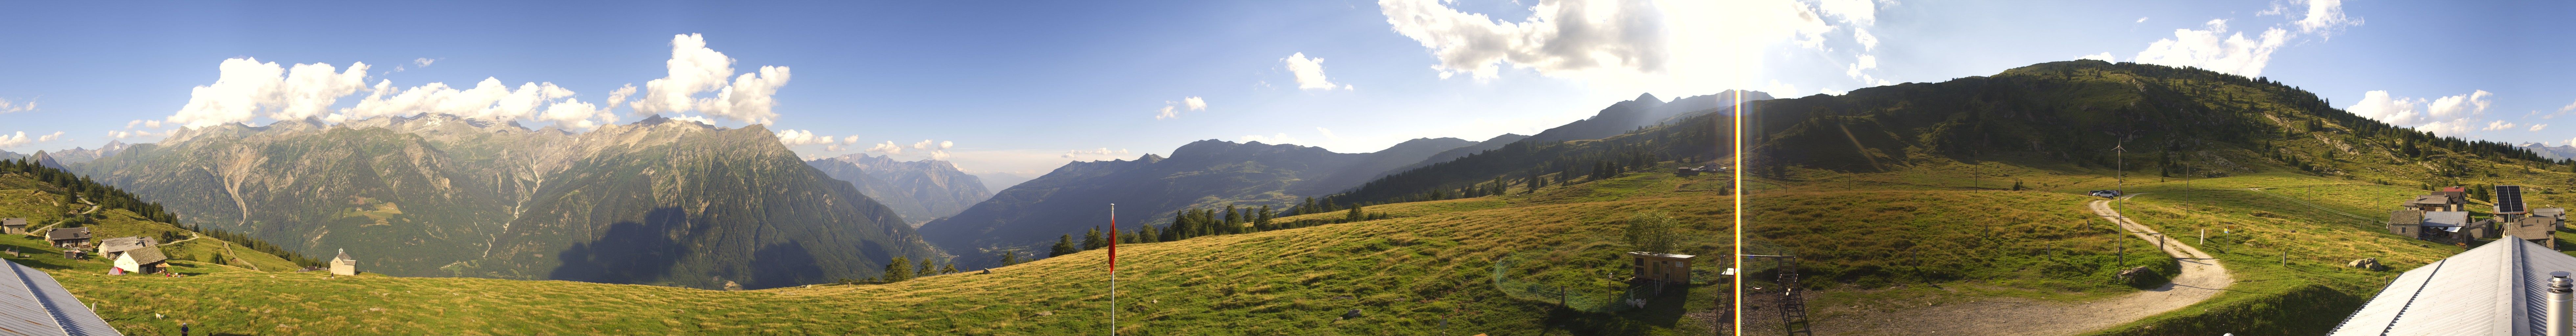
{"x":15,"y":226}
{"x":69,"y":237}
{"x":2435,"y":203}
{"x":145,"y":260}
{"x":2559,"y":214}
{"x":2438,"y":226}
{"x":2538,"y":230}
{"x":343,"y":265}
{"x":1668,"y":268}
{"x":2408,"y":223}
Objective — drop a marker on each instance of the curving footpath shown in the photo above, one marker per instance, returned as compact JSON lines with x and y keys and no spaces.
{"x":2201,"y":278}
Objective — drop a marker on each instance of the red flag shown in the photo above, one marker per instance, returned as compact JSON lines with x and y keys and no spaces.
{"x":1113,"y":236}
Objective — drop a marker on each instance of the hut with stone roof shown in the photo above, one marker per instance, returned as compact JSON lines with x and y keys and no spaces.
{"x":68,"y":237}
{"x":15,"y":226}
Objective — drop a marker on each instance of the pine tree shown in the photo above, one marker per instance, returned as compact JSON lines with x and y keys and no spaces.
{"x":1063,"y":246}
{"x":1353,"y":216}
{"x":927,"y":268}
{"x":1010,"y":258}
{"x":950,"y":268}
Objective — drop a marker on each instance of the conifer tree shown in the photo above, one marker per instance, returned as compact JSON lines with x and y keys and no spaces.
{"x":926,"y":268}
{"x":1063,"y":246}
{"x":1010,"y":258}
{"x":1263,"y":221}
{"x":1092,"y":240}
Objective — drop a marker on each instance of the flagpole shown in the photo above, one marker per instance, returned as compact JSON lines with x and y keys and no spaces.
{"x":1113,"y":269}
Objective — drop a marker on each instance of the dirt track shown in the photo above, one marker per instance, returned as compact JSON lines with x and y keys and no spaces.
{"x":2201,"y":278}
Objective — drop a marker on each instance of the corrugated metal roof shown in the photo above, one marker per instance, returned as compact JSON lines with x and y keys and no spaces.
{"x":2446,"y":218}
{"x":31,"y":303}
{"x":2496,"y":289}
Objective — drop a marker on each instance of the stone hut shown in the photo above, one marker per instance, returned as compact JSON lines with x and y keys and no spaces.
{"x":69,"y":237}
{"x":145,"y":260}
{"x":15,"y":226}
{"x":343,"y":265}
{"x":2538,"y":230}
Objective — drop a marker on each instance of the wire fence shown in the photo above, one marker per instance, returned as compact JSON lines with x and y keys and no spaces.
{"x":1581,"y":298}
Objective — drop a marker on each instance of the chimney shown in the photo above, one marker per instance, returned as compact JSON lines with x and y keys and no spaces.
{"x":2559,"y":304}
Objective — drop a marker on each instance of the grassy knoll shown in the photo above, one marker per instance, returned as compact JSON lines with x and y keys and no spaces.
{"x":1407,"y":274}
{"x":2250,"y":230}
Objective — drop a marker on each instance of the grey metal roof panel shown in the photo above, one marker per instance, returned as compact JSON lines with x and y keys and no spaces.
{"x":2491,"y":290}
{"x":21,"y":311}
{"x":68,"y":316}
{"x":2446,"y":218}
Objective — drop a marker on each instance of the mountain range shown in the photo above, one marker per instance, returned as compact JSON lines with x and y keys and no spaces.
{"x":1205,"y":174}
{"x":653,"y":202}
{"x":918,"y":190}
{"x":2561,"y":152}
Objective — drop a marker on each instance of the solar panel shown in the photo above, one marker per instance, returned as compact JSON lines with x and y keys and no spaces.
{"x":2508,"y":199}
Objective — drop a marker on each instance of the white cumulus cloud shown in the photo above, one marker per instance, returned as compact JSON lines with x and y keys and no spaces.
{"x":694,"y":69}
{"x":2213,"y":48}
{"x":1558,"y":36}
{"x":2498,"y":125}
{"x":2537,"y":128}
{"x":802,"y":138}
{"x":1328,"y":134}
{"x":1617,"y":48}
{"x":1172,"y":109}
{"x":888,"y":147}
{"x":2325,"y":17}
{"x":21,"y":139}
{"x":489,"y":99}
{"x":1309,"y":72}
{"x":2104,"y":56}
{"x":2454,"y":115}
{"x":245,"y":89}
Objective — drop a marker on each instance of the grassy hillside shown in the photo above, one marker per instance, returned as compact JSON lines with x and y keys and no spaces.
{"x":1407,"y":275}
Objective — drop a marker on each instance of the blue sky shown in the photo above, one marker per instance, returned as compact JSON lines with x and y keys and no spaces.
{"x":1023,"y":87}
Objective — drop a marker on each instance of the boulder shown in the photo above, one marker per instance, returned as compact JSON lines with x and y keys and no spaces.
{"x":1354,"y":313}
{"x":2368,"y":264}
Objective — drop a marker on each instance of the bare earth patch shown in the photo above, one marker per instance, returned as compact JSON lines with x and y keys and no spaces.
{"x":2201,"y":278}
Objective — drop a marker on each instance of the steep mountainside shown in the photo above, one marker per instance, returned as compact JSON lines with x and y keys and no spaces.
{"x":1646,"y":110}
{"x":80,"y":155}
{"x":1207,"y":173}
{"x":1454,"y":153}
{"x":1378,"y":163}
{"x":443,"y":195}
{"x":918,"y":190}
{"x":2170,"y":121}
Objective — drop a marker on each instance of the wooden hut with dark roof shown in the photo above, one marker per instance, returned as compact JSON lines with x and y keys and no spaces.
{"x":69,"y":237}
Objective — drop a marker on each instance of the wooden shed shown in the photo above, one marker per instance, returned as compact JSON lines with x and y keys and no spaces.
{"x":1669,"y":268}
